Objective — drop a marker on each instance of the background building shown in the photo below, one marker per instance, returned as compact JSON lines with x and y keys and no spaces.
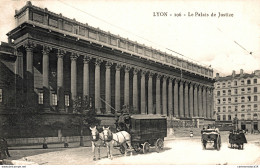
{"x":238,"y":95}
{"x":56,"y":60}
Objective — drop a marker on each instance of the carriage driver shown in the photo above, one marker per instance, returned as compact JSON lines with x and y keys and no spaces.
{"x":123,"y":120}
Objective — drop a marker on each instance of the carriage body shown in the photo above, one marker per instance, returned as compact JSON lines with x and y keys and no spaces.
{"x":211,"y":136}
{"x":148,"y":130}
{"x":237,"y":139}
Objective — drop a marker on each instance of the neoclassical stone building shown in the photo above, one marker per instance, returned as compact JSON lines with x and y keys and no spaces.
{"x":59,"y":59}
{"x":237,"y":95}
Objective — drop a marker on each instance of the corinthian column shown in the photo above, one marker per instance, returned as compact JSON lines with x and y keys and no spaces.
{"x":186,"y":99}
{"x":45,"y":77}
{"x":150,"y":93}
{"x":170,"y":110}
{"x":204,"y":102}
{"x":158,"y":94}
{"x":196,"y":100}
{"x":117,"y":88}
{"x":200,"y":112}
{"x":143,"y":104}
{"x":97,"y":86}
{"x":60,"y":87}
{"x":164,"y":96}
{"x":108,"y":87}
{"x":73,"y":77}
{"x":191,"y":100}
{"x":126,"y":89}
{"x":181,"y":107}
{"x":135,"y":90}
{"x":176,"y":98}
{"x":30,"y":74}
{"x":86,"y":60}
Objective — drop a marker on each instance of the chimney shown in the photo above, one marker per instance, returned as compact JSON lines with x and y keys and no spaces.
{"x":217,"y":76}
{"x":233,"y":74}
{"x":241,"y":72}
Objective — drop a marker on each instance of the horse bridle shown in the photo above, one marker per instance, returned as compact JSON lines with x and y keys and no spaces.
{"x":95,"y":136}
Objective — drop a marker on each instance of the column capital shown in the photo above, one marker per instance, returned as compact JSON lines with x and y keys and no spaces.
{"x":127,"y":68}
{"x":18,"y":53}
{"x":171,"y":79}
{"x":165,"y":77}
{"x":29,"y":46}
{"x":86,"y":59}
{"x":74,"y":56}
{"x":151,"y":74}
{"x":108,"y":64}
{"x":118,"y":67}
{"x":192,"y":84}
{"x":176,"y":80}
{"x":46,"y":50}
{"x":158,"y":76}
{"x":181,"y":82}
{"x":98,"y":62}
{"x":135,"y":71}
{"x":61,"y":53}
{"x":143,"y":72}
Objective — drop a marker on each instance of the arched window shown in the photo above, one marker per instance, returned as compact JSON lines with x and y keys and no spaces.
{"x":224,"y":109}
{"x":248,"y":81}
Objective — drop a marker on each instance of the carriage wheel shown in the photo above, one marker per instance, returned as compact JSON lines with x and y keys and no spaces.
{"x":218,"y":143}
{"x":136,"y":147}
{"x":146,"y":147}
{"x":122,"y":149}
{"x":204,"y":143}
{"x":159,"y":145}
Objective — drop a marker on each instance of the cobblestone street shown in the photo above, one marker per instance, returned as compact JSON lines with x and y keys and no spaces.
{"x":178,"y":151}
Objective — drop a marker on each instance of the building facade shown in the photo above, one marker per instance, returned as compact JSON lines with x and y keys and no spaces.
{"x":59,"y":59}
{"x":239,"y":95}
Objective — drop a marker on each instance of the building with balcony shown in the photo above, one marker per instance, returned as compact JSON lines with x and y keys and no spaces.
{"x":57,"y":59}
{"x":238,"y":95}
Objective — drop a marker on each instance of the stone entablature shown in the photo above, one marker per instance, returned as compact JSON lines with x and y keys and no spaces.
{"x":56,"y":22}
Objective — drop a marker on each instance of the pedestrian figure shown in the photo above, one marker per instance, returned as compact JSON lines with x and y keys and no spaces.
{"x":44,"y":145}
{"x":191,"y":134}
{"x":2,"y":150}
{"x":6,"y":147}
{"x":66,"y":144}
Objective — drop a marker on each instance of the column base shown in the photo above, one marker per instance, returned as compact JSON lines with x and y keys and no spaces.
{"x":62,"y":110}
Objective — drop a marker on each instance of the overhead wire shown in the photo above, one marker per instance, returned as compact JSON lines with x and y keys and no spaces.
{"x":168,"y":49}
{"x":131,"y":33}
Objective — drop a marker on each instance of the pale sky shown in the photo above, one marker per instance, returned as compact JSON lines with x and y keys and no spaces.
{"x":224,"y":43}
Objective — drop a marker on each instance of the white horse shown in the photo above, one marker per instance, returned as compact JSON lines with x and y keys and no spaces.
{"x":97,"y":140}
{"x":116,"y":139}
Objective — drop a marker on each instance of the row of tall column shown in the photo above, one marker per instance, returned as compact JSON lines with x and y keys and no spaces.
{"x":178,"y":97}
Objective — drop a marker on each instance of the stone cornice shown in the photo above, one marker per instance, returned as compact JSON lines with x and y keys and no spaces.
{"x":45,"y":19}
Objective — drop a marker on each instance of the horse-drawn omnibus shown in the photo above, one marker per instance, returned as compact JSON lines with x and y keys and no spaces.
{"x":141,"y":132}
{"x":146,"y":131}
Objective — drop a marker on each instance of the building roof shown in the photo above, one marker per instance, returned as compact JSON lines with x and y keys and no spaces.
{"x":237,"y":76}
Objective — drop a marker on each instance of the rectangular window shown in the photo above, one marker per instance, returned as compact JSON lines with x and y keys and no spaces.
{"x":1,"y":95}
{"x":255,"y":81}
{"x":40,"y":98}
{"x":54,"y":99}
{"x":235,"y":91}
{"x":248,"y":90}
{"x":255,"y":89}
{"x":67,"y":100}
